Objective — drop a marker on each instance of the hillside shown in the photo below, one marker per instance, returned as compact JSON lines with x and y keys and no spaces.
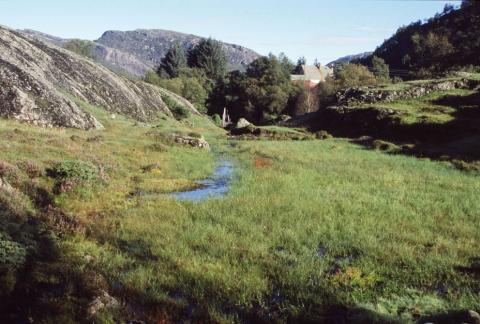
{"x":141,"y":50}
{"x":150,"y":46}
{"x":350,"y":58}
{"x":40,"y":84}
{"x":450,"y":39}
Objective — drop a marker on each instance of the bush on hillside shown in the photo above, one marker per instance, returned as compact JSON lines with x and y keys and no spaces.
{"x":179,"y":111}
{"x":81,"y":47}
{"x":353,"y":75}
{"x":190,"y":84}
{"x":71,"y":174}
{"x":31,"y":168}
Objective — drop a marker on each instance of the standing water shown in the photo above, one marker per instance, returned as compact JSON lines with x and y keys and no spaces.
{"x":215,"y":186}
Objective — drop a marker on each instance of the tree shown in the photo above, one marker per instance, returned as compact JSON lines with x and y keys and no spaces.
{"x":301,"y":61}
{"x":286,"y":63}
{"x":174,"y":60}
{"x":354,"y":75}
{"x":380,"y":69}
{"x":209,"y":56}
{"x":259,"y":94}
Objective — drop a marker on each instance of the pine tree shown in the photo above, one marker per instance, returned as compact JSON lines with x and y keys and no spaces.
{"x":174,"y":60}
{"x":301,"y":61}
{"x":208,"y":55}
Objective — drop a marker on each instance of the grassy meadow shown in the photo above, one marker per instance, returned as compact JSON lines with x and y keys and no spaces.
{"x":311,"y":230}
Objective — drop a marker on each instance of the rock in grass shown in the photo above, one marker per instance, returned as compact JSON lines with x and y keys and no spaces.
{"x":191,"y":141}
{"x":102,"y":302}
{"x":4,"y":185}
{"x":242,"y":123}
{"x":384,"y":146}
{"x":322,"y":135}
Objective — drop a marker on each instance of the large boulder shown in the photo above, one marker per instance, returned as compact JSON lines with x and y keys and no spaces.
{"x":242,"y":123}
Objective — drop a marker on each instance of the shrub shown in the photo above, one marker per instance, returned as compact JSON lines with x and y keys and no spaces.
{"x":14,"y":204}
{"x":70,"y":174}
{"x":178,"y":110}
{"x":31,"y":168}
{"x":353,"y":75}
{"x":12,"y":254}
{"x":73,"y":170}
{"x":10,"y":173}
{"x":81,"y":47}
{"x":217,"y":120}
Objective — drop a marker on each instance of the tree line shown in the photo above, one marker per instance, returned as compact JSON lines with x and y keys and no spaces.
{"x":448,"y":41}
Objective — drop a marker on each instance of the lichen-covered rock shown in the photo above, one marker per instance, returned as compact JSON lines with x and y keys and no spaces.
{"x":242,"y":123}
{"x":104,"y":301}
{"x":38,"y":83}
{"x":191,"y":141}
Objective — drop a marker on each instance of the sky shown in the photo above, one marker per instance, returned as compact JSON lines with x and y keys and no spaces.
{"x":325,"y":30}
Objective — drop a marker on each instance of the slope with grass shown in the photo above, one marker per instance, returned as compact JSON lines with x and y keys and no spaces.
{"x":311,"y":230}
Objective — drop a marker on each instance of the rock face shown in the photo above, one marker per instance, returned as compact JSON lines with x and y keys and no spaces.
{"x":150,"y":46}
{"x":139,"y":51}
{"x":39,"y":82}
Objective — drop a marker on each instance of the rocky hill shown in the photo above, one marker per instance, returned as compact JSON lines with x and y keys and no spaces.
{"x":349,"y":58}
{"x":150,"y":46}
{"x":141,"y":50}
{"x":39,"y":83}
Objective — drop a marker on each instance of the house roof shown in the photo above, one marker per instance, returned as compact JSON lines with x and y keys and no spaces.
{"x":311,"y":72}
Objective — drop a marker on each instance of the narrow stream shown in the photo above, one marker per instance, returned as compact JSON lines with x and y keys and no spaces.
{"x":215,"y":186}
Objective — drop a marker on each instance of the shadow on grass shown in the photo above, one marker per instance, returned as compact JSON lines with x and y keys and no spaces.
{"x":38,"y":277}
{"x":180,"y":304}
{"x":457,"y":140}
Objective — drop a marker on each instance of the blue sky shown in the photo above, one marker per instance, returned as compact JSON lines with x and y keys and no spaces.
{"x":315,"y":29}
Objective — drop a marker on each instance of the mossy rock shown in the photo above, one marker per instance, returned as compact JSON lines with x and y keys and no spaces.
{"x":323,"y":135}
{"x":384,"y":146}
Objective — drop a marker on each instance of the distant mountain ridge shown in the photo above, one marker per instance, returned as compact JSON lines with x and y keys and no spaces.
{"x":350,"y":58}
{"x":141,"y":50}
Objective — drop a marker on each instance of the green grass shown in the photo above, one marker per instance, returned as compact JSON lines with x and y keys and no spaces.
{"x":307,"y":225}
{"x":423,"y":109}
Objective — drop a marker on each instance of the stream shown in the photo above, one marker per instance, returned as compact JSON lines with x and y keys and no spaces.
{"x":215,"y":186}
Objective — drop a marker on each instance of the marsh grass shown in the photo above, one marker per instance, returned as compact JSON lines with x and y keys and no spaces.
{"x":322,"y":225}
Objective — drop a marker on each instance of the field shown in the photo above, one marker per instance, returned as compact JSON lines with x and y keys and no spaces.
{"x":310,"y":230}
